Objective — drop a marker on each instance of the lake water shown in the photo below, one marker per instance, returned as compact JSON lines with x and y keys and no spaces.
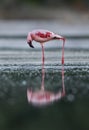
{"x":21,"y":71}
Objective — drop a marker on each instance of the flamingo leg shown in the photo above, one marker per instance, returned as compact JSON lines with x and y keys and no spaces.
{"x":63,"y":52}
{"x":43,"y":57}
{"x":63,"y":85}
{"x":43,"y":71}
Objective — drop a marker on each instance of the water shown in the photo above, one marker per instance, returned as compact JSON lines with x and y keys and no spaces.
{"x":21,"y":69}
{"x":65,"y":113}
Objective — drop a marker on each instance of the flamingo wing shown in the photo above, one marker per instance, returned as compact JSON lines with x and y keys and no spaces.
{"x":44,"y":34}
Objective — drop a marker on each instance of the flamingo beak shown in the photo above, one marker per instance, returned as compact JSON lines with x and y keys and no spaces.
{"x":30,"y":44}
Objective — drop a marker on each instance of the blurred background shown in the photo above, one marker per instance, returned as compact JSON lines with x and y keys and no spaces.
{"x":40,"y":8}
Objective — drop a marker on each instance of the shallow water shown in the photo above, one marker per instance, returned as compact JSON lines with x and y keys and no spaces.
{"x":21,"y":69}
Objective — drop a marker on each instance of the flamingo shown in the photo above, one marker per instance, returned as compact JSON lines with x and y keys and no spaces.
{"x":42,"y":96}
{"x":42,"y":36}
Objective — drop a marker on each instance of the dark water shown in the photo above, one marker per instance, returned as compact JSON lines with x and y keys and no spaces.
{"x":69,"y":112}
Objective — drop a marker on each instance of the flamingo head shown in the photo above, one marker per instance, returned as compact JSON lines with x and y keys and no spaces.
{"x":29,"y":40}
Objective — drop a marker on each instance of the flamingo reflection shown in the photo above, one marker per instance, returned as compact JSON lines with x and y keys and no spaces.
{"x":44,"y":97}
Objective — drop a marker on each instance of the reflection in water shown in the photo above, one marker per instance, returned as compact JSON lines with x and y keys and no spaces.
{"x":42,"y":96}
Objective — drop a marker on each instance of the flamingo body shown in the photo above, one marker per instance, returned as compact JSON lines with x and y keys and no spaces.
{"x":41,"y":36}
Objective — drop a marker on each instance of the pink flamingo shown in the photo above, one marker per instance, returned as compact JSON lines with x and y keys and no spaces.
{"x":42,"y":36}
{"x":42,"y":96}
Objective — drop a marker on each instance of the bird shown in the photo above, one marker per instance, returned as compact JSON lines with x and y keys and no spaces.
{"x":43,"y":96}
{"x":42,"y":36}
